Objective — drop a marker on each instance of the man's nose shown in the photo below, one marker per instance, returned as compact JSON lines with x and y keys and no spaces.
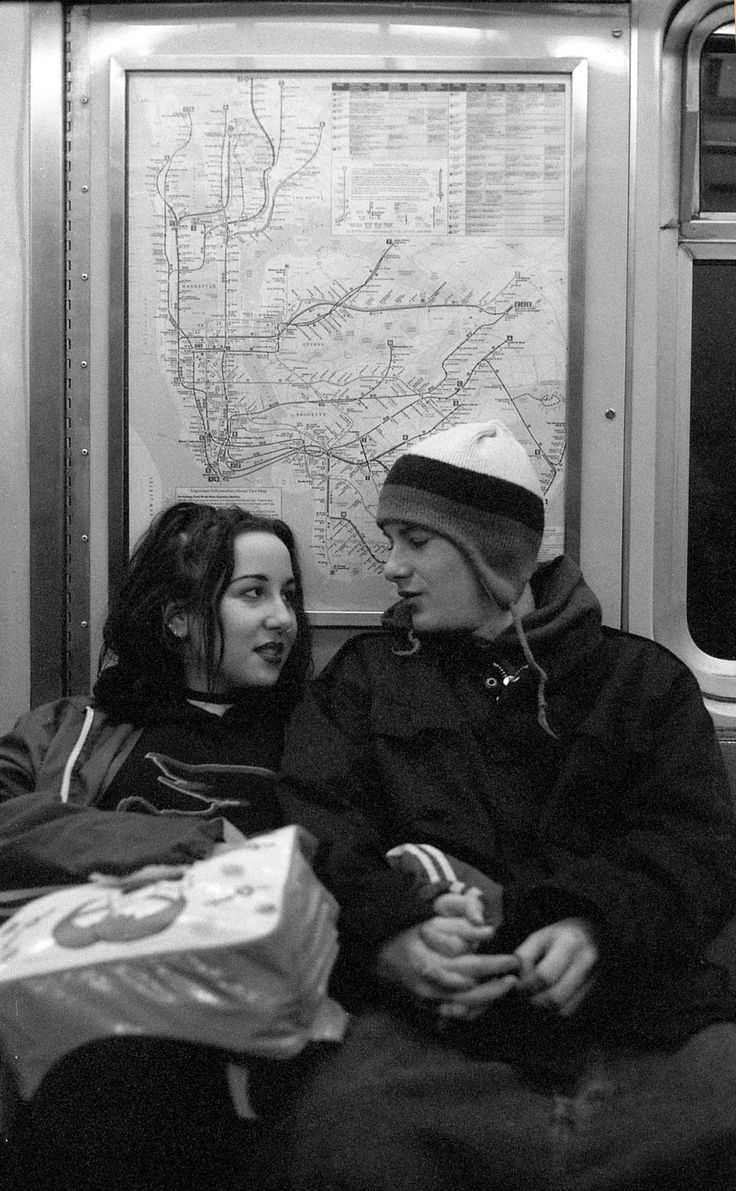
{"x":396,"y":565}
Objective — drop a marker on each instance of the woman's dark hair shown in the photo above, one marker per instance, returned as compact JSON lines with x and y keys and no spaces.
{"x":184,"y":561}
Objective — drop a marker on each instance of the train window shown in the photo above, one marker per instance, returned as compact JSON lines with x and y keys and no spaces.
{"x":708,"y":157}
{"x":718,"y":122}
{"x":711,"y":527}
{"x":711,"y":559}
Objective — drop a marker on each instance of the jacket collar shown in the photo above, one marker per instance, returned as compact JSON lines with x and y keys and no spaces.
{"x":564,"y":627}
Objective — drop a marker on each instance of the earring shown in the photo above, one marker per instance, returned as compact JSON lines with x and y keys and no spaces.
{"x":176,"y":622}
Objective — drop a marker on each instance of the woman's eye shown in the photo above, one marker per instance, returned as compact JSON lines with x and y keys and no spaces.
{"x":251,"y":593}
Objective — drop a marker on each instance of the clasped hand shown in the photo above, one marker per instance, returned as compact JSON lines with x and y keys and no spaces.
{"x":438,"y":960}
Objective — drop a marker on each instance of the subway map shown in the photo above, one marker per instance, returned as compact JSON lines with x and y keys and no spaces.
{"x":324,"y":269}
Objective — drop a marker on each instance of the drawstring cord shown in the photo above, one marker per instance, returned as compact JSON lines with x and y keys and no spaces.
{"x":414,"y":646}
{"x":535,"y":666}
{"x":405,"y":622}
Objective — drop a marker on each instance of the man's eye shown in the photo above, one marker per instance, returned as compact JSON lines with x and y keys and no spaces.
{"x":418,"y":541}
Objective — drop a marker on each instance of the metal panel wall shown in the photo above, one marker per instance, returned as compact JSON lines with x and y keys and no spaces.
{"x":367,"y":36}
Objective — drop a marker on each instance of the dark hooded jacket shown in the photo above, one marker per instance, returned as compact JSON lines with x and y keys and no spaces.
{"x":622,"y":815}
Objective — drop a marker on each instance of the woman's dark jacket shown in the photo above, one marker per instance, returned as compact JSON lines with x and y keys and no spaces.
{"x":623,"y":816}
{"x":179,"y":773}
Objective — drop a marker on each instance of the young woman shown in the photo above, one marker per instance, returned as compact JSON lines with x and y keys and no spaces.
{"x":589,"y":1046}
{"x":206,"y":652}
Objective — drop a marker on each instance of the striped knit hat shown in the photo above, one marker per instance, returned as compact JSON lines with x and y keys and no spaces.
{"x":476,"y":485}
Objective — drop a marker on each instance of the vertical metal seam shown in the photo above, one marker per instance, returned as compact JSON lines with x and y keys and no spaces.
{"x":77,"y":166}
{"x":68,"y":388}
{"x":629,"y":317}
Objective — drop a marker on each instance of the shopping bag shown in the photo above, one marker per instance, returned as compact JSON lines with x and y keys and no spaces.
{"x":235,"y":953}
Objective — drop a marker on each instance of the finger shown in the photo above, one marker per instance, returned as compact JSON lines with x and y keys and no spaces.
{"x":475,"y":906}
{"x":568,"y":965}
{"x":562,"y":990}
{"x":548,"y":973}
{"x":487,"y":967}
{"x":470,"y":904}
{"x":454,"y":1009}
{"x":564,"y":1004}
{"x":530,"y":953}
{"x":445,"y":943}
{"x":526,"y":971}
{"x":439,"y":982}
{"x":486,"y":992}
{"x":457,"y":1011}
{"x":450,"y":905}
{"x":460,"y":926}
{"x":453,"y":936}
{"x":547,"y":957}
{"x":465,"y":972}
{"x":577,"y":998}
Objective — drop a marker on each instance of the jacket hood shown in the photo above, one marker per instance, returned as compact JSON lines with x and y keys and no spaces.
{"x":565,"y":609}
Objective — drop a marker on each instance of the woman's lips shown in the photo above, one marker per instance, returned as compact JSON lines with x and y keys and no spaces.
{"x":272,"y":651}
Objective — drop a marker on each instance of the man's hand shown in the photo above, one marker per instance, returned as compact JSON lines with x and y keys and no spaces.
{"x":469,"y":904}
{"x":454,"y":936}
{"x":557,"y":965}
{"x":428,"y":974}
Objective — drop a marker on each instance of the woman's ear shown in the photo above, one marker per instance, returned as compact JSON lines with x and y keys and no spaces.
{"x":177,"y":622}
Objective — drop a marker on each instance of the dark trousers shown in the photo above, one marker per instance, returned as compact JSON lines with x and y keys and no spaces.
{"x":128,"y":1114}
{"x":398,"y":1109}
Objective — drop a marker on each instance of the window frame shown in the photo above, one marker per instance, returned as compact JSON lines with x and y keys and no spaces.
{"x":694,"y":223}
{"x":687,"y":235}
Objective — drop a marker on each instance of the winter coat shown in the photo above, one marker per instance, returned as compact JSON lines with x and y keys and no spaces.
{"x":58,"y":763}
{"x":69,"y":746}
{"x":622,"y":817}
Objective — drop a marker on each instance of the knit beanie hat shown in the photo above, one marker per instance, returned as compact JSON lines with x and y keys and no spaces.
{"x":474,"y":484}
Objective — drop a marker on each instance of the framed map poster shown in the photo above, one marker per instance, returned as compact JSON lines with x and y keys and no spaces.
{"x":322,"y":267}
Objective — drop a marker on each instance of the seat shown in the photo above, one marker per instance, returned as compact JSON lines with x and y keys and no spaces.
{"x":723,"y":948}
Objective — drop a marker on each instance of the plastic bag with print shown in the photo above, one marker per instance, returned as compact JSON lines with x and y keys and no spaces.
{"x":235,"y":953}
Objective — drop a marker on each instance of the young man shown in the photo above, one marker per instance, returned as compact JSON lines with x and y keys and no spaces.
{"x":580,"y":1042}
